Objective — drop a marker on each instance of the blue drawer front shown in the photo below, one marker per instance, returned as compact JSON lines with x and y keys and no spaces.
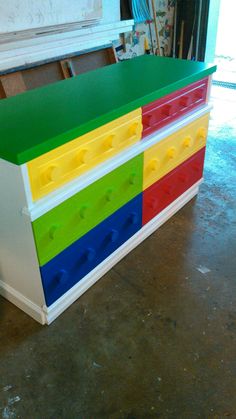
{"x":77,"y":260}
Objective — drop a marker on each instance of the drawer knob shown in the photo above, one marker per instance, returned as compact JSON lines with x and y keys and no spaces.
{"x":110,"y":142}
{"x":188,"y":141}
{"x":51,"y":174}
{"x":132,"y":179}
{"x":201,"y":133}
{"x":184,"y":101}
{"x":53,"y":231}
{"x":154,"y":165}
{"x":183,"y":178}
{"x":133,"y":218}
{"x":152,"y":203}
{"x":113,"y":236}
{"x":166,"y":110}
{"x":109,"y":195}
{"x":83,"y":157}
{"x":168,"y":190}
{"x":151,"y":120}
{"x":199,"y":93}
{"x":90,"y":254}
{"x":133,"y":129}
{"x":171,"y":153}
{"x":83,"y":211}
{"x":62,"y":276}
{"x":196,"y":167}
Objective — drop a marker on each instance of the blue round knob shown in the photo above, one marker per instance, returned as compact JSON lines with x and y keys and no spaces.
{"x":114,"y":234}
{"x":90,"y":254}
{"x":62,"y":276}
{"x":133,"y":218}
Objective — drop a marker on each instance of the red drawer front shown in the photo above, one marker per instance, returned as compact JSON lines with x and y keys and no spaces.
{"x":159,"y":195}
{"x":173,"y":106}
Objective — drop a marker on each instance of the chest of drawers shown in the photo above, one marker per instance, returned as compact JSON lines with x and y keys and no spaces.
{"x":90,"y":167}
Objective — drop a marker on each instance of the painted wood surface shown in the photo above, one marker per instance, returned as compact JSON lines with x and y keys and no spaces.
{"x":19,"y":270}
{"x":75,"y":106}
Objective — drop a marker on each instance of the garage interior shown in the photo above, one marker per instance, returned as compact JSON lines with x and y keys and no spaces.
{"x":155,"y":337}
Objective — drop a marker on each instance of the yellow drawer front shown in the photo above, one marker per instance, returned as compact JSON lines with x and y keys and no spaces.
{"x":173,"y":150}
{"x":57,"y":167}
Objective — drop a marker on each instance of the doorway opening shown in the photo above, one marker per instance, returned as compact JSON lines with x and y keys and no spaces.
{"x":225,"y":52}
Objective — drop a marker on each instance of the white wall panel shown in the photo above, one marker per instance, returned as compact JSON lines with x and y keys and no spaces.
{"x":16,"y":15}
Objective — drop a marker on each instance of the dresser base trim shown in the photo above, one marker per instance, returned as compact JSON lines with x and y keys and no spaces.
{"x":82,"y":286}
{"x":19,"y":300}
{"x":46,"y":315}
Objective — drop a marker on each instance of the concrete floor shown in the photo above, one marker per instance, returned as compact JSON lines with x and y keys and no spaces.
{"x":156,"y":337}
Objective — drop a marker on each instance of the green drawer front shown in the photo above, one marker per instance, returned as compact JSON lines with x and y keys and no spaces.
{"x":69,"y":221}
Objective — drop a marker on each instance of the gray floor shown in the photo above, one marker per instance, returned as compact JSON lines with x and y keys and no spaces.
{"x":156,"y":337}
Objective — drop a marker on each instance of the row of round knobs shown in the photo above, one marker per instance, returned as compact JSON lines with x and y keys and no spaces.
{"x":169,"y":189}
{"x":90,"y":253}
{"x":169,"y":110}
{"x":172,"y":152}
{"x":85,"y":156}
{"x":55,"y":228}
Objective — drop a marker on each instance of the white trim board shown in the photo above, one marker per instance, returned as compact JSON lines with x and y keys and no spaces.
{"x":49,"y":314}
{"x":40,"y":207}
{"x":23,"y":52}
{"x":19,"y":300}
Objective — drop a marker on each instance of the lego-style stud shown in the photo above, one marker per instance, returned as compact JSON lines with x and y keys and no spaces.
{"x":50,"y":174}
{"x":132,"y":178}
{"x":110,"y":142}
{"x":62,"y":276}
{"x":199,"y":93}
{"x":153,"y":203}
{"x":109,"y":195}
{"x":53,"y":231}
{"x":133,"y":129}
{"x":83,"y":211}
{"x":133,"y":218}
{"x":166,"y":110}
{"x":151,"y":120}
{"x":184,"y":101}
{"x":90,"y":254}
{"x":83,"y":157}
{"x":113,"y":235}
{"x":202,"y":133}
{"x":196,"y":167}
{"x":188,"y":141}
{"x":183,"y":178}
{"x":154,"y":165}
{"x":168,"y":189}
{"x":171,"y":153}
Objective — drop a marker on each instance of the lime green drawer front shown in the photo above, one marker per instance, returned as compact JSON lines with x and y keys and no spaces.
{"x":70,"y":220}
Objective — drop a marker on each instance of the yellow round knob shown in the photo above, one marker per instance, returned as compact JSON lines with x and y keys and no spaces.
{"x":51,"y":174}
{"x":188,"y":141}
{"x":202,"y":133}
{"x":154,"y":165}
{"x":110,"y":142}
{"x":171,"y":152}
{"x":83,"y":156}
{"x":133,"y":129}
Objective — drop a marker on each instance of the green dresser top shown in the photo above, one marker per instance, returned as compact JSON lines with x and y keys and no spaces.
{"x":39,"y":120}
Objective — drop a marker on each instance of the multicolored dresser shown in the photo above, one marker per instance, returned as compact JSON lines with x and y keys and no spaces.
{"x":90,"y":167}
